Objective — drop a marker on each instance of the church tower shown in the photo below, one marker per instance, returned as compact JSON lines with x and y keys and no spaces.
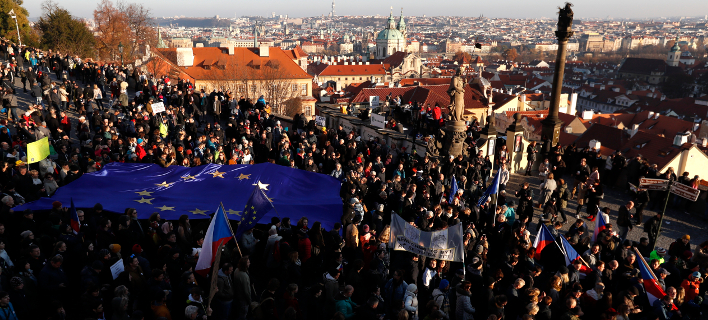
{"x":391,"y":39}
{"x":674,"y":54}
{"x":402,"y":25}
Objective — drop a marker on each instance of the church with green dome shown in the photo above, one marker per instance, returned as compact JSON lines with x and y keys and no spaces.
{"x":392,"y":39}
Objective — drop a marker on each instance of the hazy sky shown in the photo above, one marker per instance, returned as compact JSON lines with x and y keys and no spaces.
{"x":496,"y":8}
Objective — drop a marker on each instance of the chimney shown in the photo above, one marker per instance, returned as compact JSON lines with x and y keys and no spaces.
{"x":367,"y":63}
{"x":587,"y":114}
{"x":185,"y":57}
{"x":594,"y":144}
{"x":264,"y":51}
{"x":572,"y":107}
{"x":522,"y":104}
{"x":656,"y":116}
{"x":651,"y":114}
{"x":704,"y":142}
{"x":680,"y":139}
{"x":231,"y":49}
{"x":696,"y":126}
{"x":346,"y":63}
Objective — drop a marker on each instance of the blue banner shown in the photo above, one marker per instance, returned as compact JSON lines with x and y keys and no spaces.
{"x":177,"y":190}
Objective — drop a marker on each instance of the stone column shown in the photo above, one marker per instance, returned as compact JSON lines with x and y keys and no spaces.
{"x":455,"y":137}
{"x":488,"y":133}
{"x":551,"y":125}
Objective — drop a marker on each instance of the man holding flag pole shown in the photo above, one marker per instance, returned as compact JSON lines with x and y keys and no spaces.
{"x":220,"y":232}
{"x":492,"y":192}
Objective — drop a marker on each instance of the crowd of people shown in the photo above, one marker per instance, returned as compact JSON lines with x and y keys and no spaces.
{"x":296,"y":269}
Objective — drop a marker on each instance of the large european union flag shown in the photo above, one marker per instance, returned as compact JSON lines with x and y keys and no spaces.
{"x":176,"y":190}
{"x":256,"y":207}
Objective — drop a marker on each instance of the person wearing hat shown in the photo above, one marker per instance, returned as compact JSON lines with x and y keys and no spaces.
{"x":691,"y":285}
{"x":441,"y":298}
{"x":679,"y":247}
{"x":658,"y":254}
{"x":661,"y":275}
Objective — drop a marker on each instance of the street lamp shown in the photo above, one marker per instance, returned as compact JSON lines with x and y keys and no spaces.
{"x":12,"y":15}
{"x":120,"y":49}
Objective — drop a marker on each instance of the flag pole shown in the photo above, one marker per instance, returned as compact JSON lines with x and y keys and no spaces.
{"x":214,"y":274}
{"x":230,"y":229}
{"x":644,"y":262}
{"x":579,"y":255}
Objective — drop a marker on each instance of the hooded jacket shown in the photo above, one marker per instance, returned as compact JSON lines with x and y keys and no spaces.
{"x":331,"y":289}
{"x":464,"y":305}
{"x":411,"y":301}
{"x":226,"y":290}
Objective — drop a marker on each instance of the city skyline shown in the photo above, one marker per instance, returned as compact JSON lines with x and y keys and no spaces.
{"x":601,"y":9}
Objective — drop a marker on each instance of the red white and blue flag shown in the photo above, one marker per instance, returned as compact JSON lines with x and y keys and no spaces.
{"x":651,"y":285}
{"x":74,"y":216}
{"x":571,"y":255}
{"x":600,"y":224}
{"x":219,"y":233}
{"x":543,"y":239}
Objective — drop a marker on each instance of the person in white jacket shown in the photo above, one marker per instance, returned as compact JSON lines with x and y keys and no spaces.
{"x":411,"y":301}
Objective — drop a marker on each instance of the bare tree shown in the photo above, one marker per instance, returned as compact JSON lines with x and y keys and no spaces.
{"x":142,"y":26}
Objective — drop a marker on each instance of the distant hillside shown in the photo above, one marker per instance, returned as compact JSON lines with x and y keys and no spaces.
{"x":194,"y":22}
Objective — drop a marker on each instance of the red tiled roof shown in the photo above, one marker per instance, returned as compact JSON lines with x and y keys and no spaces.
{"x":423,"y":81}
{"x":395,"y":59}
{"x":351,"y":70}
{"x":655,"y":149}
{"x":610,"y":138}
{"x":246,"y":59}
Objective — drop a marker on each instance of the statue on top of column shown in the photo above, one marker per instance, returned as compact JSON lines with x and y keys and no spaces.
{"x":565,"y":17}
{"x":457,"y":96}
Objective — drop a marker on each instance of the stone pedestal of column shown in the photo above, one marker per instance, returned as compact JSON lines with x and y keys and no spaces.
{"x":455,"y":134}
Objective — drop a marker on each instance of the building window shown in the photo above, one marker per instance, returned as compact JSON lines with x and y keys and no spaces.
{"x":346,"y":79}
{"x":303,"y":89}
{"x":308,"y":111}
{"x":294,"y":88}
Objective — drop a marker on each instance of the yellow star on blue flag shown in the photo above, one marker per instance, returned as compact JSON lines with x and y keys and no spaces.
{"x":256,"y":207}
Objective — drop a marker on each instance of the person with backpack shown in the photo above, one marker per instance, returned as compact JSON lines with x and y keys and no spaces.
{"x":441,"y":298}
{"x":272,"y":250}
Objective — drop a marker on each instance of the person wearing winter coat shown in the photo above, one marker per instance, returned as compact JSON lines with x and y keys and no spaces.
{"x":464,"y":305}
{"x":331,"y":288}
{"x":273,"y":237}
{"x":411,"y":301}
{"x":441,"y":298}
{"x":225,"y":294}
{"x":344,"y":304}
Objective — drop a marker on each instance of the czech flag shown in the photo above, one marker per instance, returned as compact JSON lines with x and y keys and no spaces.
{"x":543,"y":239}
{"x":651,"y":286}
{"x":572,"y":255}
{"x":600,"y":224}
{"x":75,"y":225}
{"x":219,"y":233}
